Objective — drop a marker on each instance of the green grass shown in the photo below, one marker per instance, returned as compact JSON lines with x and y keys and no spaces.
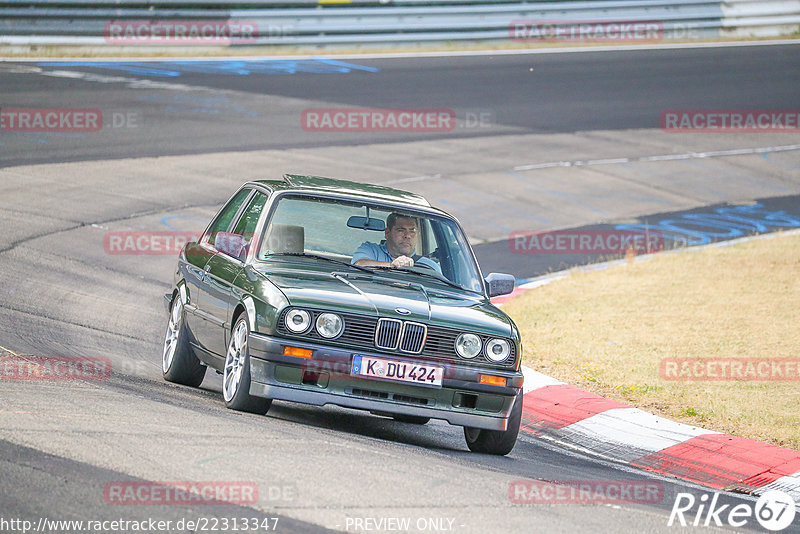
{"x":607,"y":332}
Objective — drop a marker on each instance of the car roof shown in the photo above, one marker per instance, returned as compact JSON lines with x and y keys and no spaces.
{"x":297,"y":182}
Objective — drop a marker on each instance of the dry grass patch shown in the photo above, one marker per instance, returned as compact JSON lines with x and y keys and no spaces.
{"x":608,"y":331}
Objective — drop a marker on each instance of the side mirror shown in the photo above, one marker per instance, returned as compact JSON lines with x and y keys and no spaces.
{"x":231,"y":244}
{"x":366,"y":223}
{"x":500,"y":284}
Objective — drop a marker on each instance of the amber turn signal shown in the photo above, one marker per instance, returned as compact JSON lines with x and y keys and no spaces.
{"x":493,"y":380}
{"x":297,"y":352}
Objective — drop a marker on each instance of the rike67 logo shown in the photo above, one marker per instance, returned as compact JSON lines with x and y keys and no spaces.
{"x":774,"y":511}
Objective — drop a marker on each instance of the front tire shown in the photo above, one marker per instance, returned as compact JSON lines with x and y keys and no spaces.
{"x":498,"y":442}
{"x":178,"y":363}
{"x":236,"y":378}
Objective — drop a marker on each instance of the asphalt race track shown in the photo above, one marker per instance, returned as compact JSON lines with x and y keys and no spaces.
{"x":541,"y":142}
{"x":254,"y":106}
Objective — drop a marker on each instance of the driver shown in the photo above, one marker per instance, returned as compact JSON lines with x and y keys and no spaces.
{"x":398,"y":250}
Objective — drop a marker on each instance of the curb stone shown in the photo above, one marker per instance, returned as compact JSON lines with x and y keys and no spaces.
{"x":577,"y":418}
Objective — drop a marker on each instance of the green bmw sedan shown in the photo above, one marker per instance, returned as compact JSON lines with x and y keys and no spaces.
{"x":324,"y":291}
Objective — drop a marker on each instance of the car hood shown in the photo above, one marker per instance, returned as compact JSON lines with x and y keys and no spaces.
{"x":382,"y":296}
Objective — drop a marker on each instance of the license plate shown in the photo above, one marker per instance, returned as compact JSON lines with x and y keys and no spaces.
{"x":415,"y":373}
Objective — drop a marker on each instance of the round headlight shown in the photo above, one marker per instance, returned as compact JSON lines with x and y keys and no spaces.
{"x":329,"y":325}
{"x":298,"y":321}
{"x":497,"y":350}
{"x":468,"y":345}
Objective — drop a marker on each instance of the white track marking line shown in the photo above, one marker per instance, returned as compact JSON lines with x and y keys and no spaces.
{"x":132,"y":83}
{"x":664,"y":157}
{"x":611,"y":161}
{"x":411,"y":179}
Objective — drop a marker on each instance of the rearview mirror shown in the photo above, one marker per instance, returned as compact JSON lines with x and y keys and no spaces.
{"x":500,"y":284}
{"x":366,"y":223}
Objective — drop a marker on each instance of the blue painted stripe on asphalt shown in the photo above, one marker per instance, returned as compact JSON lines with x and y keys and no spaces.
{"x":700,"y":228}
{"x":223,"y":67}
{"x":183,"y":218}
{"x":729,"y":221}
{"x":347,"y":65}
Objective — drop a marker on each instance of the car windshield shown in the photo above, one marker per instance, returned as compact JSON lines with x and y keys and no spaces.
{"x":337,"y":229}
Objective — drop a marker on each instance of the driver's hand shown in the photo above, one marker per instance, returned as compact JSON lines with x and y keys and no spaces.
{"x":402,"y":261}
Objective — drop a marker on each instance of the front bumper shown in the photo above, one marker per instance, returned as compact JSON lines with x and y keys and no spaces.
{"x":325,"y":379}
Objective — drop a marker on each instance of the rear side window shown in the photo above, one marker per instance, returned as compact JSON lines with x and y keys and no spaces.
{"x":247,"y":224}
{"x":225,"y":217}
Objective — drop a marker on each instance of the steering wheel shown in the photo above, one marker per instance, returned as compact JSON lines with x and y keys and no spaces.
{"x":423,"y":265}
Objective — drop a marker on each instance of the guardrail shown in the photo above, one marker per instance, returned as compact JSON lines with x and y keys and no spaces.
{"x":761,"y":18}
{"x":329,"y":22}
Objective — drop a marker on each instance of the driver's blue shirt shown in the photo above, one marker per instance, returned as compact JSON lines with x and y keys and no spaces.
{"x":372,"y":251}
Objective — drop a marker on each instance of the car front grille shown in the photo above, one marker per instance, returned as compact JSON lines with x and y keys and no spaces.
{"x":387,"y":335}
{"x":436,"y":343}
{"x":358,"y":331}
{"x":394,"y":334}
{"x":414,"y":335}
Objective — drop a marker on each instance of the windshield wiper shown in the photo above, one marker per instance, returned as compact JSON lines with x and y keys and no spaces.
{"x":318,"y":257}
{"x":431,"y":275}
{"x":372,"y":271}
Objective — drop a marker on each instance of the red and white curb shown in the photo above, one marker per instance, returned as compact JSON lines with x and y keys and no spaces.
{"x":589,"y":422}
{"x":585,"y":421}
